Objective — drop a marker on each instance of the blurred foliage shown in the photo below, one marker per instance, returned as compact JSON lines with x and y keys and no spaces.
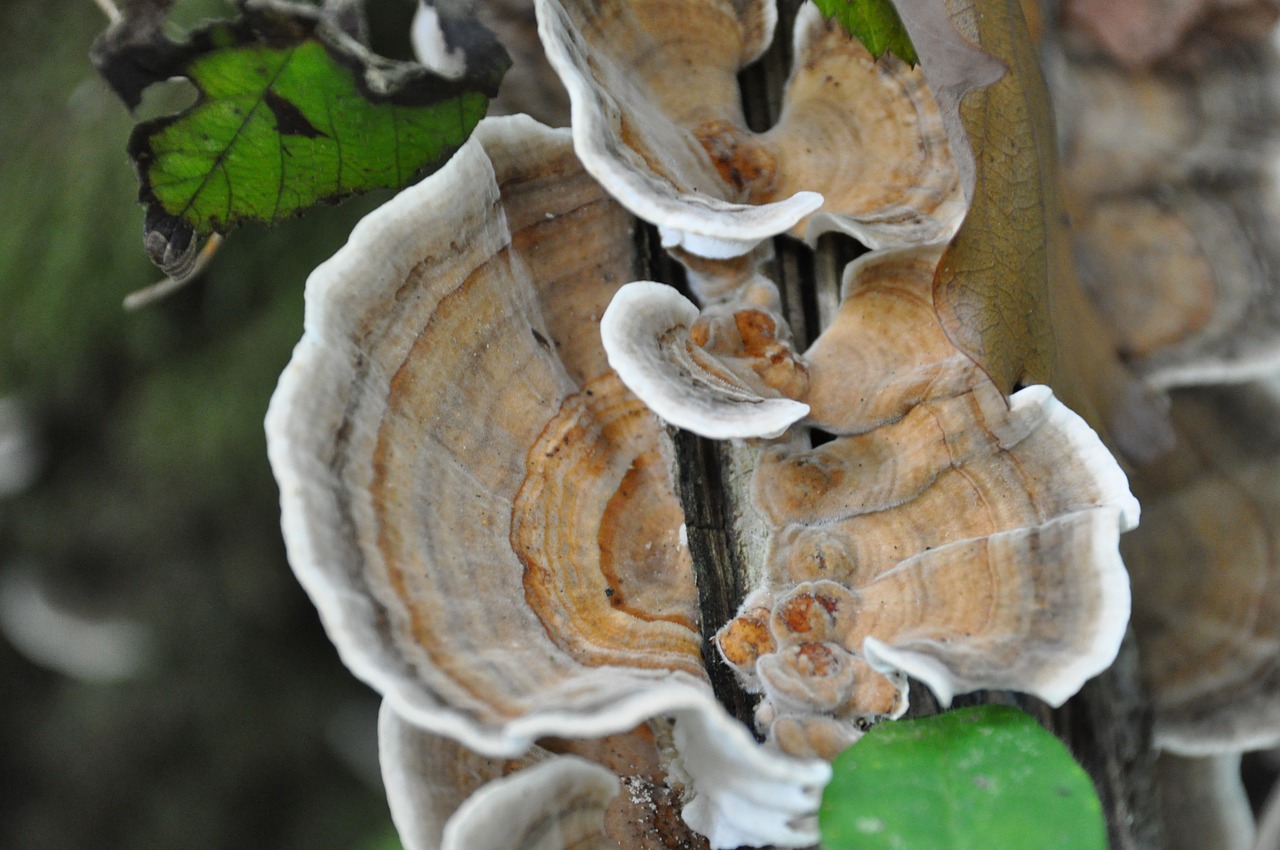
{"x":155,"y":501}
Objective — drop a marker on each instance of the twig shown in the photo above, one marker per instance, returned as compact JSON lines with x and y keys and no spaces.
{"x":110,"y":9}
{"x":150,"y":294}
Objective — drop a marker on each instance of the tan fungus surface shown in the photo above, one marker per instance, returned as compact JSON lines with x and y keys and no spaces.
{"x":973,"y":542}
{"x":668,"y":138}
{"x":488,"y":478}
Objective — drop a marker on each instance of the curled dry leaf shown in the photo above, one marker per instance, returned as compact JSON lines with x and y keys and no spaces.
{"x":481,"y":512}
{"x":993,"y":282}
{"x":954,"y":66}
{"x":1005,"y":288}
{"x":658,"y":120}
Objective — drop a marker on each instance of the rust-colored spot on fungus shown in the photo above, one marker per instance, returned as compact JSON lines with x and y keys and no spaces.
{"x":815,"y":659}
{"x":700,"y":334}
{"x":805,"y":613}
{"x":742,"y":163}
{"x":759,"y":332}
{"x":744,"y":639}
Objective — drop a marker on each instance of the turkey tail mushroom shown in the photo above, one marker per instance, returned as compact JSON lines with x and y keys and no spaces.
{"x":1206,"y":575}
{"x":481,"y":512}
{"x":944,"y":533}
{"x":865,"y":133}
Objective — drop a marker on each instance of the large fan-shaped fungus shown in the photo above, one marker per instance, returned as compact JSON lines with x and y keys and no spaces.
{"x":657,"y":119}
{"x":482,"y":513}
{"x":944,"y":533}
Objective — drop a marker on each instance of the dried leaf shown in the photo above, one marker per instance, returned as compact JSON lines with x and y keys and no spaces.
{"x":953,"y":67}
{"x":1005,"y":289}
{"x":992,"y":285}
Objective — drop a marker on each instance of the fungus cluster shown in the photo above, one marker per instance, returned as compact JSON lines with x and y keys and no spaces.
{"x":478,"y":489}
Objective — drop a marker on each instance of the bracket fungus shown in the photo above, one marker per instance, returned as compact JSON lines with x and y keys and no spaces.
{"x":860,"y":146}
{"x":1174,"y":194}
{"x":481,"y":512}
{"x":664,"y":350}
{"x":943,"y":533}
{"x":1206,"y":574}
{"x":481,"y":502}
{"x":565,"y":793}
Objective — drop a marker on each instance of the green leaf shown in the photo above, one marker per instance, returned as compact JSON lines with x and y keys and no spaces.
{"x":875,"y":23}
{"x":971,"y":779}
{"x":291,"y":111}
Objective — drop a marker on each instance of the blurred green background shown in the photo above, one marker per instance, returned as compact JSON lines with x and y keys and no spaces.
{"x":164,"y":682}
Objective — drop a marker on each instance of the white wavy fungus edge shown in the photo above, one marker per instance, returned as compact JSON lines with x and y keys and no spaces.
{"x":695,"y":221}
{"x":644,"y":314}
{"x":1118,"y":511}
